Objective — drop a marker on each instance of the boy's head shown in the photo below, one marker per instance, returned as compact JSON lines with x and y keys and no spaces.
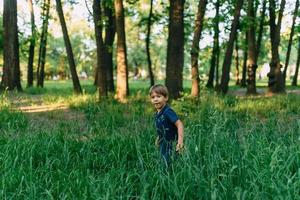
{"x":159,"y":89}
{"x":159,"y":96}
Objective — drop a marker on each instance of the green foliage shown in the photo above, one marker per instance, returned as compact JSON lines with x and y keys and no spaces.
{"x":1,"y":34}
{"x":235,"y":148}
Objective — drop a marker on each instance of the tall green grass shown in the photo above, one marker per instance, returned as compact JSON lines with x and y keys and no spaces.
{"x":236,"y":148}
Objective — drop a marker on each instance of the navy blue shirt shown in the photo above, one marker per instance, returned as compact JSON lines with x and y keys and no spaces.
{"x":165,"y":123}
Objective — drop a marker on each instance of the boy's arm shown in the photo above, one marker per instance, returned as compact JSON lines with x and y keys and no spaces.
{"x":179,"y":126}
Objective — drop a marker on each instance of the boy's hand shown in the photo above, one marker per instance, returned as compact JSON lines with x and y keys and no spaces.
{"x":157,"y":142}
{"x":179,"y":147}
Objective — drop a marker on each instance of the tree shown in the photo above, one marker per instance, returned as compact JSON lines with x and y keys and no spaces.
{"x":110,"y":30}
{"x":237,"y":63}
{"x":276,"y":82}
{"x":195,"y":47}
{"x":101,"y":70}
{"x":122,"y":68}
{"x":294,"y":82}
{"x":75,"y":80}
{"x":11,"y":66}
{"x":245,"y":58}
{"x":229,"y":49}
{"x":287,"y":60}
{"x":214,"y":62}
{"x":261,"y":28}
{"x":251,"y":61}
{"x":151,"y":76}
{"x":31,"y":47}
{"x":43,"y":45}
{"x":174,"y":77}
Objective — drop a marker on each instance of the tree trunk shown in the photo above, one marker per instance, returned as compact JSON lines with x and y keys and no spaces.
{"x":294,"y":82}
{"x":261,"y":29}
{"x":214,"y":63}
{"x":237,"y":63}
{"x":101,"y":68}
{"x":229,"y":50}
{"x":122,"y":67}
{"x":195,"y":48}
{"x":287,"y":60}
{"x":31,"y":47}
{"x":251,"y":61}
{"x":276,"y":82}
{"x":110,"y":30}
{"x":245,"y":58}
{"x":11,"y":77}
{"x":175,"y":49}
{"x":151,"y":76}
{"x":76,"y":84}
{"x":43,"y":45}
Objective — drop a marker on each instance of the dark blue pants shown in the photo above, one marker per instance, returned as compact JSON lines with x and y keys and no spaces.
{"x":165,"y":148}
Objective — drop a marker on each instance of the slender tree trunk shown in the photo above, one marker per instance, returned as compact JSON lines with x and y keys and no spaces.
{"x":229,"y":50}
{"x":110,"y":30}
{"x":31,"y":47}
{"x":294,"y":82}
{"x":276,"y":82}
{"x":101,"y":68}
{"x":261,"y":29}
{"x":76,"y":84}
{"x":213,"y":62}
{"x":215,"y":52}
{"x":217,"y":85}
{"x":122,"y":67}
{"x":251,"y":61}
{"x":151,"y":76}
{"x":43,"y":45}
{"x":175,"y":49}
{"x":245,"y":58}
{"x":287,"y":60}
{"x":11,"y":77}
{"x":237,"y":63}
{"x":195,"y":48}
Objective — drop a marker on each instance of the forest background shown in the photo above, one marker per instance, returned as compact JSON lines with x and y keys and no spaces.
{"x":59,"y":140}
{"x":79,"y":20}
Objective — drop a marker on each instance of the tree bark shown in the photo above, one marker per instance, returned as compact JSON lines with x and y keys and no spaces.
{"x":251,"y":61}
{"x":43,"y":45}
{"x":287,"y":60}
{"x":11,"y":77}
{"x":195,"y":48}
{"x":261,"y":29}
{"x":101,"y":68}
{"x":110,"y":30}
{"x":175,"y":49}
{"x":295,"y":78}
{"x":151,"y":76}
{"x":229,"y":50}
{"x":237,"y":63}
{"x":245,"y":58}
{"x":122,"y":67}
{"x":31,"y":47}
{"x":214,"y":62}
{"x":75,"y":80}
{"x":276,"y":82}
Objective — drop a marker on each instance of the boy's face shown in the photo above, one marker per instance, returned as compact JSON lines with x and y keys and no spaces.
{"x":158,"y":100}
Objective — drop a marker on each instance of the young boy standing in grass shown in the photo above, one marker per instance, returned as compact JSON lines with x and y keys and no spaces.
{"x":168,"y":125}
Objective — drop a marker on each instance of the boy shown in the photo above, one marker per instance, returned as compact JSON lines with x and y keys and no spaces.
{"x":168,"y":125}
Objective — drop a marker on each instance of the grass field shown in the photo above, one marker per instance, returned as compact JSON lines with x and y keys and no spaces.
{"x":79,"y":148}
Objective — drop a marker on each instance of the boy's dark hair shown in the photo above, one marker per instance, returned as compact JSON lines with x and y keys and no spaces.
{"x":159,"y":89}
